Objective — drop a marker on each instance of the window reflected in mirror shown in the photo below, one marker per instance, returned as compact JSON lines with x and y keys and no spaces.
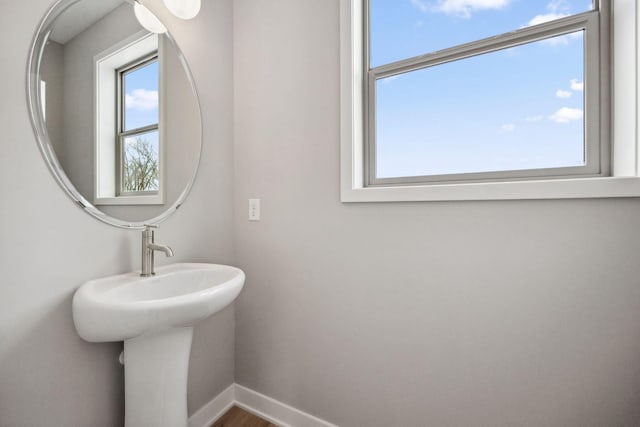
{"x":129,"y":142}
{"x":138,"y":134}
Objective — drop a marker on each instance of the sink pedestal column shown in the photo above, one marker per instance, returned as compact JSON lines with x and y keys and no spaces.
{"x":156,"y":366}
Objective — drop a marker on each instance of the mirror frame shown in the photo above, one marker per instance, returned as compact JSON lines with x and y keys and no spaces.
{"x":34,"y":101}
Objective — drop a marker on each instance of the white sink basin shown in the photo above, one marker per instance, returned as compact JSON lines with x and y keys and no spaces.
{"x":118,"y":308}
{"x":154,"y":316}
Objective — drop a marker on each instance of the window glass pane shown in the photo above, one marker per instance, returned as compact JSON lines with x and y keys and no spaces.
{"x":141,"y":96}
{"x":514,"y":109}
{"x":401,"y":29}
{"x":140,"y":163}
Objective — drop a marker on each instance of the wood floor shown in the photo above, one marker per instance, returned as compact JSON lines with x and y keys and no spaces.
{"x":236,"y":417}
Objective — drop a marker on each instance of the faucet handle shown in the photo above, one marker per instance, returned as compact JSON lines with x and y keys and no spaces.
{"x":149,"y":227}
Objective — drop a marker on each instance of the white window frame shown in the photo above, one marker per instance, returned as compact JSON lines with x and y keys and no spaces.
{"x":105,"y":119}
{"x":121,"y":133}
{"x":623,"y":179}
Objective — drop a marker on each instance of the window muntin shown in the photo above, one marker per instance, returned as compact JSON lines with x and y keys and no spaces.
{"x":138,"y":166}
{"x":574,"y":41}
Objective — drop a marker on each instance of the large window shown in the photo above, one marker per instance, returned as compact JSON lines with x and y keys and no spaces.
{"x":479,"y":99}
{"x":472,"y":90}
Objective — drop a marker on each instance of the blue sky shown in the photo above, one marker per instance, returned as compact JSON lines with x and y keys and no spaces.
{"x":141,"y":89}
{"x":520,"y":108}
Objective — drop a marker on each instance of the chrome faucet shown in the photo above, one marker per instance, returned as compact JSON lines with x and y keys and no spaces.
{"x":148,"y":249}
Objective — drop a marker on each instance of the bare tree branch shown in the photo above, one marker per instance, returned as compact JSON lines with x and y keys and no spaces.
{"x":140,"y":166}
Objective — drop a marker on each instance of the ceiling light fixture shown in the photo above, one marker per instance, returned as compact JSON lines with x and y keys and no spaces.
{"x":184,"y":9}
{"x":147,"y":19}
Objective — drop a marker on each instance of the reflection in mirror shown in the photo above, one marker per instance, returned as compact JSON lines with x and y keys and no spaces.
{"x":115,"y":111}
{"x":127,"y":142}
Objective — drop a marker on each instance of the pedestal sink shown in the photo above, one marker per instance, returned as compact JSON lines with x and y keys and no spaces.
{"x":154,"y":316}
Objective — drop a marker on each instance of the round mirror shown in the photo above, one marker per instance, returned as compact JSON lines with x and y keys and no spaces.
{"x":115,"y":112}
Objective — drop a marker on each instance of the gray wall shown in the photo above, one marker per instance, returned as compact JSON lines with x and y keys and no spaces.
{"x":483,"y":313}
{"x":52,"y":72}
{"x":49,"y":247}
{"x":412,"y":314}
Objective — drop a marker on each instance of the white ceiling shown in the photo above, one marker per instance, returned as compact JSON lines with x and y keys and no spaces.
{"x":81,"y":16}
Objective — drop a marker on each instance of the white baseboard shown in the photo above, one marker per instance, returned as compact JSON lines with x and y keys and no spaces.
{"x":213,"y":410}
{"x":265,"y":407}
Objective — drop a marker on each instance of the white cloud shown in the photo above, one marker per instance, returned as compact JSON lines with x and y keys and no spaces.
{"x":563,"y":93}
{"x":556,"y":5}
{"x":563,"y":40}
{"x":390,"y":79}
{"x":557,"y":41}
{"x":420,"y":4}
{"x":552,"y":16}
{"x":532,"y":119}
{"x":509,"y":127}
{"x":566,"y":115}
{"x":142,"y":100}
{"x":545,"y":17}
{"x":464,"y":8}
{"x":557,"y":9}
{"x":577,"y":85}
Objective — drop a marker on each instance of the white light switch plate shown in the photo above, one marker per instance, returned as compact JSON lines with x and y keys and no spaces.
{"x":254,"y":209}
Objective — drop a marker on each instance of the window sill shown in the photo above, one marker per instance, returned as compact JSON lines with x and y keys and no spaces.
{"x":157,"y":199}
{"x":578,"y":188}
